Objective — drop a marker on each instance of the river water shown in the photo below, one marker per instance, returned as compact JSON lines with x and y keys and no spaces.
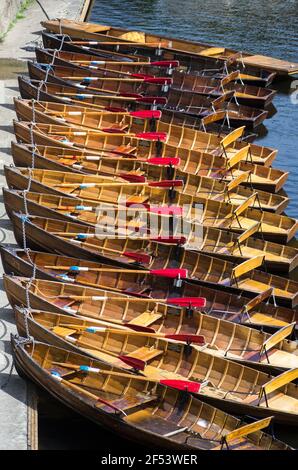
{"x":259,"y":26}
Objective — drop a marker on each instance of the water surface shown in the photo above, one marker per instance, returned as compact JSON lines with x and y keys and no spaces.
{"x":257,"y":26}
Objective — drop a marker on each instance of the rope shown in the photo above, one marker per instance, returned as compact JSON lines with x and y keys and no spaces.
{"x":43,"y":9}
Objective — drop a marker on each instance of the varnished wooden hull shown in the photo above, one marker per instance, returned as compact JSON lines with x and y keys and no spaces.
{"x":219,"y":304}
{"x":276,"y":228}
{"x":245,"y":116}
{"x":260,"y":77}
{"x":207,"y":86}
{"x":44,"y":206}
{"x":112,"y":420}
{"x":38,"y":238}
{"x":169,"y":358}
{"x":29,"y":89}
{"x":46,"y":157}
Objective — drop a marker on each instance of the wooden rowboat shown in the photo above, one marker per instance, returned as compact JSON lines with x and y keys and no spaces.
{"x":140,"y":410}
{"x":177,"y":136}
{"x":58,"y":93}
{"x":208,"y":213}
{"x":215,"y":337}
{"x":221,"y":305}
{"x":170,"y":47}
{"x":43,"y":234}
{"x":176,"y":140}
{"x":238,"y":387}
{"x":199,"y":186}
{"x":209,"y":240}
{"x":195,"y":190}
{"x":251,"y":75}
{"x":178,"y":102}
{"x":201,"y":164}
{"x":245,"y":94}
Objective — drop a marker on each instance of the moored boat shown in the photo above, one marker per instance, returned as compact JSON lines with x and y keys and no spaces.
{"x":178,"y":102}
{"x":193,"y":162}
{"x":212,"y":336}
{"x":115,"y":402}
{"x":58,"y":93}
{"x":49,"y":235}
{"x":172,"y":47}
{"x":175,"y":140}
{"x":208,"y":240}
{"x":194,"y":208}
{"x":248,"y":95}
{"x":248,"y":74}
{"x":220,"y":304}
{"x":239,"y":387}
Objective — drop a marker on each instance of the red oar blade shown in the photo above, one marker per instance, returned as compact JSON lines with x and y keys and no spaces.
{"x":159,"y":80}
{"x":133,"y":362}
{"x":152,"y":135}
{"x":141,"y":75}
{"x":193,"y":387}
{"x":165,"y":161}
{"x":153,"y":99}
{"x":142,"y":258}
{"x":166,"y":210}
{"x":167,"y":184}
{"x":140,"y":328}
{"x":171,"y":240}
{"x":165,"y":63}
{"x":187,"y":338}
{"x":170,"y":273}
{"x":187,"y":301}
{"x":133,"y":178}
{"x":146,"y":114}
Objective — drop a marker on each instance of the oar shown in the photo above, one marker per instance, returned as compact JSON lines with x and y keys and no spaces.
{"x":143,"y":114}
{"x":182,"y":337}
{"x":190,"y":302}
{"x":122,"y":97}
{"x":163,"y":161}
{"x":152,"y":184}
{"x":187,"y":385}
{"x":126,"y":43}
{"x":160,"y":136}
{"x":169,"y":273}
{"x":79,"y":389}
{"x":157,"y":63}
{"x":140,"y":79}
{"x":172,"y":240}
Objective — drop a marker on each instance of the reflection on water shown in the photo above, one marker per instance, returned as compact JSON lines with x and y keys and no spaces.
{"x":250,"y":25}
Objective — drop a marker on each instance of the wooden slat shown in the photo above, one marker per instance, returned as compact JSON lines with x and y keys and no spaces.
{"x":225,"y":97}
{"x":232,"y":136}
{"x":229,"y":78}
{"x":258,"y":299}
{"x":238,"y":157}
{"x":279,"y":381}
{"x":248,"y":265}
{"x":247,"y":429}
{"x":249,"y":232}
{"x":247,"y":203}
{"x":212,"y":51}
{"x":278,"y":336}
{"x":146,"y":318}
{"x":238,"y":180}
{"x":213,"y":117}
